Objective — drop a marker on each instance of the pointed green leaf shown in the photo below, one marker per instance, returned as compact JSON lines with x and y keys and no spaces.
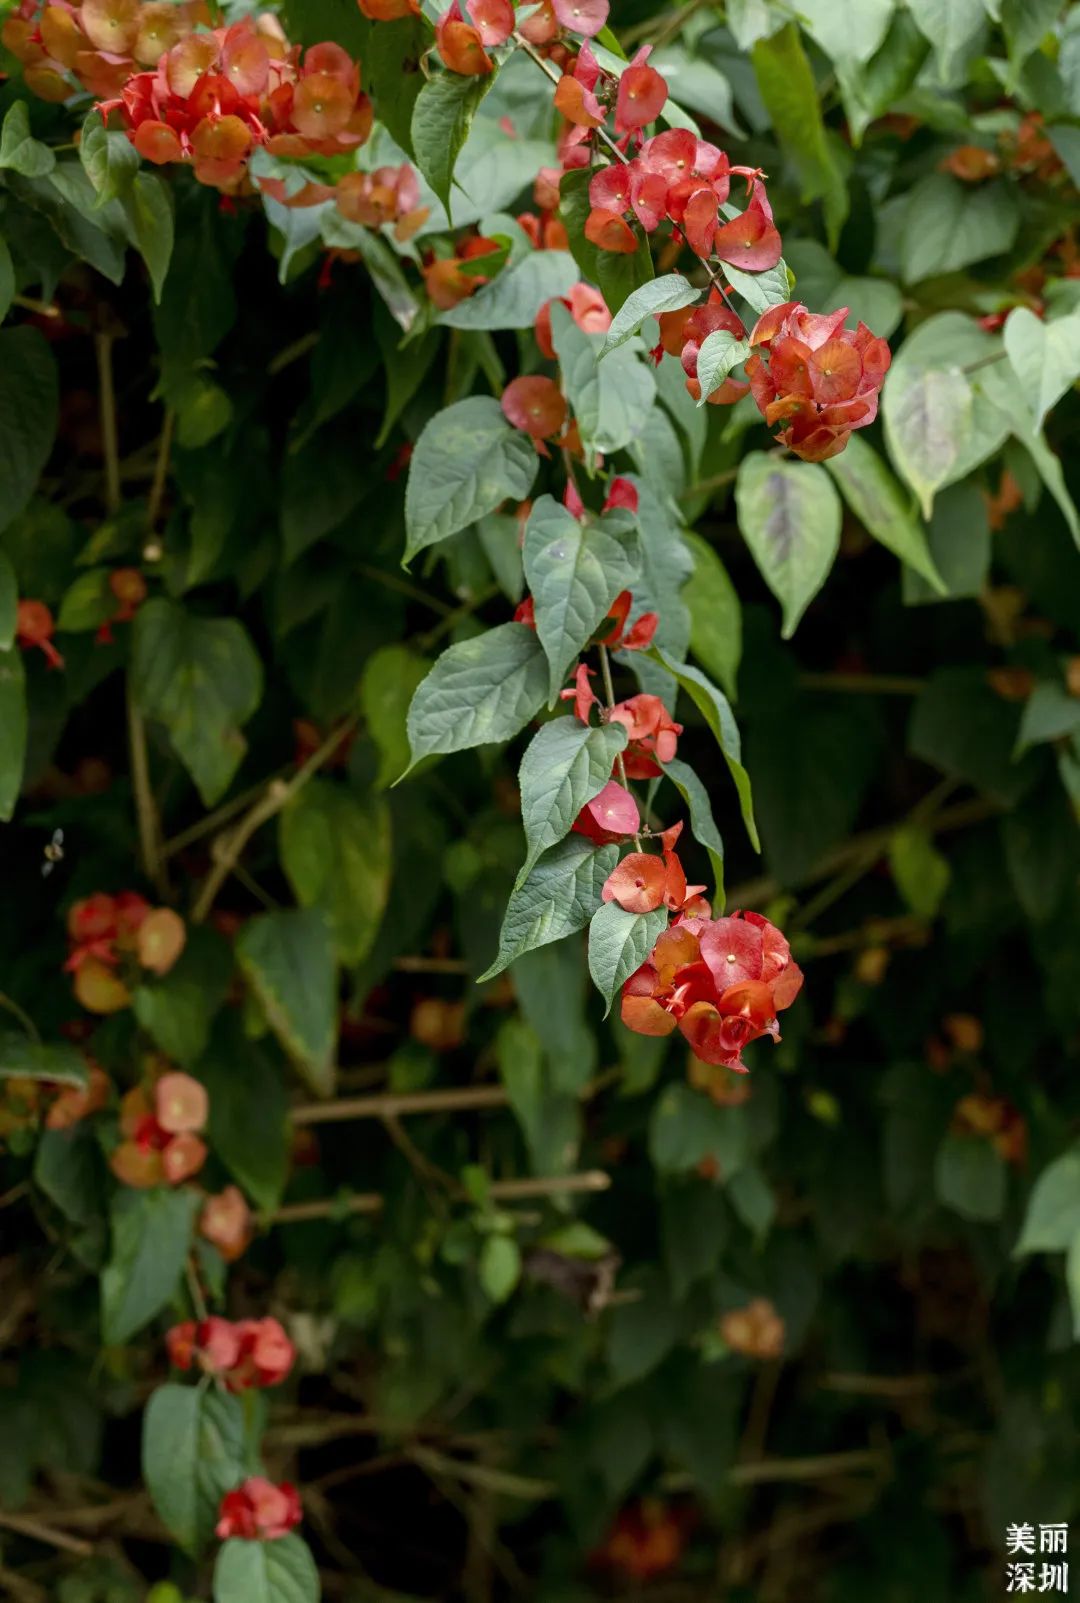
{"x":20,"y":152}
{"x":467,"y":461}
{"x":715,"y":614}
{"x":192,"y":1454}
{"x":565,"y":765}
{"x":441,"y":119}
{"x":575,"y":570}
{"x":202,"y":678}
{"x":790,"y":516}
{"x":1045,"y":357}
{"x":668,"y":294}
{"x":514,"y":297}
{"x":879,"y":503}
{"x":719,"y":355}
{"x":619,"y":942}
{"x":56,"y":1061}
{"x":151,"y":1237}
{"x":1052,"y":1220}
{"x":716,"y":710}
{"x":480,"y":691}
{"x":702,"y":824}
{"x":13,"y":726}
{"x":558,"y":898}
{"x":150,"y":214}
{"x":786,"y":80}
{"x":282,"y":1571}
{"x":611,"y":400}
{"x":970,"y":1177}
{"x":29,"y":408}
{"x":336,"y":852}
{"x":288,"y":959}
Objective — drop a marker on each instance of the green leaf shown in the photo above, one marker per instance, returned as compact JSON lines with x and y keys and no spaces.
{"x":177,"y":1009}
{"x":379,"y":259}
{"x":958,"y":539}
{"x":500,"y":1267}
{"x":68,"y":1168}
{"x":1072,"y":1281}
{"x":565,"y":765}
{"x":715,"y":614}
{"x":716,"y":710}
{"x":686,"y":1127}
{"x":20,"y":152}
{"x":13,"y":727}
{"x":336,"y":852}
{"x":790,"y":516}
{"x":719,"y":355}
{"x":9,"y":602}
{"x":514,"y":297}
{"x":249,"y":1126}
{"x":29,"y":409}
{"x":1044,"y":357}
{"x":619,"y":942}
{"x":702,"y":824}
{"x":441,"y":119}
{"x":665,"y":566}
{"x":950,"y":26}
{"x":288,"y":959}
{"x":480,"y":691}
{"x":928,"y":421}
{"x":574,"y":570}
{"x":668,"y":294}
{"x":849,"y":31}
{"x":202,"y":678}
{"x":282,"y":1571}
{"x":921,"y":873}
{"x":109,"y":159}
{"x":150,"y":214}
{"x":786,"y":81}
{"x":970,"y":1177}
{"x":1050,"y":713}
{"x":24,"y":1059}
{"x":868,"y":91}
{"x":753,"y":1200}
{"x":86,"y":603}
{"x":610,"y":400}
{"x":882,"y":507}
{"x":642,"y":1330}
{"x":151,"y":1236}
{"x":467,"y":461}
{"x":951,"y":225}
{"x":393,"y":75}
{"x":761,"y":290}
{"x":192,"y":1454}
{"x":390,"y":679}
{"x":1052,"y":1221}
{"x":558,"y":898}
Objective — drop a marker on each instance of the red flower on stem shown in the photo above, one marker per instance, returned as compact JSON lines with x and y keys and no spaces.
{"x":259,"y":1511}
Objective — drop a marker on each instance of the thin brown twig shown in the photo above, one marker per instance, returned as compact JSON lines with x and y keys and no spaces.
{"x":228,"y":848}
{"x":393,"y":1105}
{"x":161,"y":472}
{"x":366,"y":1202}
{"x":37,"y":1531}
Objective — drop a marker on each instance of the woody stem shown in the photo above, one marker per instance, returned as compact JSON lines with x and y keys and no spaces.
{"x":609,"y":692}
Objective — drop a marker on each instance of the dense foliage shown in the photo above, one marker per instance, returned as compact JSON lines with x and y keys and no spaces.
{"x":397,"y":657}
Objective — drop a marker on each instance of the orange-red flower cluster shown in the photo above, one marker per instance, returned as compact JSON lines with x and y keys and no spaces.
{"x":108,"y":932}
{"x":468,"y":29}
{"x":684,"y":180}
{"x":653,"y":733}
{"x":642,"y":882}
{"x":35,"y":626}
{"x":451,"y":279}
{"x":160,"y":1129}
{"x":247,"y":1354}
{"x":997,"y":1120}
{"x":218,"y":94}
{"x":721,"y":981}
{"x":128,"y":588}
{"x":95,"y":44}
{"x":259,"y":1511}
{"x":822,"y":380}
{"x":647,"y":1541}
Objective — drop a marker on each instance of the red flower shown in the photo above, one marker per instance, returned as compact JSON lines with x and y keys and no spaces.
{"x":638,"y":883}
{"x":460,"y":45}
{"x":586,"y":17}
{"x":251,"y":1353}
{"x":682,"y":334}
{"x":642,"y":94}
{"x":581,"y":693}
{"x":640,"y":636}
{"x":259,"y":1511}
{"x":35,"y":626}
{"x":226,"y":1223}
{"x":652,"y":732}
{"x":610,"y":816}
{"x":720,"y":981}
{"x":822,"y":379}
{"x":535,"y":406}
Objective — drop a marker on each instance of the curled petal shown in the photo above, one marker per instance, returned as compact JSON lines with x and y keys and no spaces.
{"x":637,"y":883}
{"x":608,"y":231}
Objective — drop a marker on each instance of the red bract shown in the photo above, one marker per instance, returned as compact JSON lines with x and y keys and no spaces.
{"x":535,"y":406}
{"x":608,"y":231}
{"x":638,"y":883}
{"x":35,"y":626}
{"x":720,"y":981}
{"x":389,"y":10}
{"x":585,"y":17}
{"x":227,"y":1224}
{"x":610,"y":816}
{"x":460,"y":45}
{"x":640,"y":635}
{"x":575,"y":93}
{"x":259,"y":1511}
{"x":684,"y":333}
{"x":253,"y":1353}
{"x":492,"y":19}
{"x":180,"y":1103}
{"x":642,"y":94}
{"x":652,"y":732}
{"x":822,"y":379}
{"x":581,"y":694}
{"x":586,"y":306}
{"x":446,"y":280}
{"x":386,"y":195}
{"x":751,"y":241}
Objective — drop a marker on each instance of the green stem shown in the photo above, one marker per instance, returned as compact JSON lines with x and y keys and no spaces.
{"x":12,"y":1007}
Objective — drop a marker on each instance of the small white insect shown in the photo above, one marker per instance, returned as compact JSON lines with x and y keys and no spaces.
{"x":54,"y":853}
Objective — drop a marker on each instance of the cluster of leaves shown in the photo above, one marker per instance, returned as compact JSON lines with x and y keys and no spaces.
{"x":327,"y":1104}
